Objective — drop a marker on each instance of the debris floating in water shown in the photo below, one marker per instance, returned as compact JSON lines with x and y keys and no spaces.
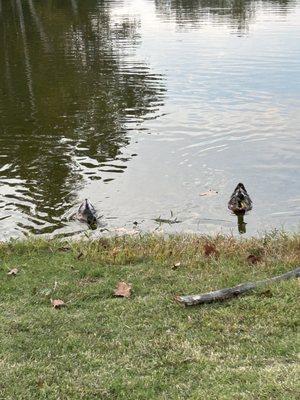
{"x":210,"y":192}
{"x":169,"y":221}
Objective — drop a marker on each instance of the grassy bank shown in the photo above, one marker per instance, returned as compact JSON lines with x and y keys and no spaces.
{"x":147,"y":346}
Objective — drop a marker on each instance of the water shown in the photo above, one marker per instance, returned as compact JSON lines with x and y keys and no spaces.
{"x":143,"y":105}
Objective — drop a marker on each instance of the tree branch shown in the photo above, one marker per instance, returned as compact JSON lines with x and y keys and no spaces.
{"x":228,"y":293}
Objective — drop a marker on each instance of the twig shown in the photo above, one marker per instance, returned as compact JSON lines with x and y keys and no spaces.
{"x":228,"y":293}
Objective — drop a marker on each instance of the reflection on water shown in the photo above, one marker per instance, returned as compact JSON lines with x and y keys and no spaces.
{"x":141,"y":105}
{"x":235,"y":13}
{"x":70,"y":94}
{"x":241,"y":224}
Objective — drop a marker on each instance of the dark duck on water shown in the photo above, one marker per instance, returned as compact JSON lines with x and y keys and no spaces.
{"x":240,"y":201}
{"x":87,"y":213}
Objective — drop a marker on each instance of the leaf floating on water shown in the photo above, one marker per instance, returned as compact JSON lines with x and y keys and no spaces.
{"x":210,"y":192}
{"x":13,"y":272}
{"x":58,"y":303}
{"x":123,"y":290}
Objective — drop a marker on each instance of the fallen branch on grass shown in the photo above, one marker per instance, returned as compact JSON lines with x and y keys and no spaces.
{"x":228,"y":293}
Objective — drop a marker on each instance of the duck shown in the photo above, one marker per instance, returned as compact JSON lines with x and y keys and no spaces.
{"x":87,"y":213}
{"x":240,"y":201}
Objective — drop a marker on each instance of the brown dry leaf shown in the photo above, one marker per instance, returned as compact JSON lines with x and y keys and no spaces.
{"x":252,"y":259}
{"x":79,"y":256}
{"x":210,"y":192}
{"x":64,"y":248}
{"x":176,"y":265}
{"x":123,"y":290}
{"x":210,"y":250}
{"x":266,"y":293}
{"x":103,"y":242}
{"x":58,"y":303}
{"x":40,"y":383}
{"x":13,"y":272}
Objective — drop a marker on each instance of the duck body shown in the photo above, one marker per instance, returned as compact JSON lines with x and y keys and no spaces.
{"x":240,"y":201}
{"x":87,"y":213}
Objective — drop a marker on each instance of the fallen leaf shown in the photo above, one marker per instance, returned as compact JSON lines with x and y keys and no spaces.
{"x":252,"y":259}
{"x":123,"y":290}
{"x":176,"y":265}
{"x":210,"y":250}
{"x":103,"y":242}
{"x":266,"y":293}
{"x":210,"y":192}
{"x":79,"y":256}
{"x":40,"y":383}
{"x":13,"y":272}
{"x":64,"y":248}
{"x":57,"y":303}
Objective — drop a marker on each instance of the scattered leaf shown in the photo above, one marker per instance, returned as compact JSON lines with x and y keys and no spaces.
{"x":40,"y":383}
{"x":253,"y":259}
{"x":64,"y":249}
{"x":210,"y":250}
{"x":266,"y":293}
{"x":210,"y":192}
{"x":13,"y":272}
{"x":176,"y":265}
{"x":103,"y":242}
{"x":57,"y":303}
{"x":79,"y":256}
{"x":123,"y":290}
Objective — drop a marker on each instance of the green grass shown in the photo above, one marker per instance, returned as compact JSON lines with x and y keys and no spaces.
{"x":147,"y":347}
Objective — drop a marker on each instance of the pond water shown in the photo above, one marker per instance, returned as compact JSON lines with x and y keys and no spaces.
{"x":142,"y":106}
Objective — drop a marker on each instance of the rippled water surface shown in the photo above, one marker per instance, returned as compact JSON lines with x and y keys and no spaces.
{"x":141,"y":106}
